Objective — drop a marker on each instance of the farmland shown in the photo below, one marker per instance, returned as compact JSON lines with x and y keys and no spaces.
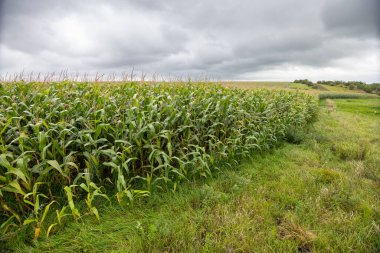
{"x":66,"y":143}
{"x":155,"y":168}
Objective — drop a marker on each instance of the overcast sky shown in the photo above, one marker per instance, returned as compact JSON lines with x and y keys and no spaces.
{"x":226,"y":39}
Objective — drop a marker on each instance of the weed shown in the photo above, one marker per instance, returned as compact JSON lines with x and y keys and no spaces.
{"x":327,"y":176}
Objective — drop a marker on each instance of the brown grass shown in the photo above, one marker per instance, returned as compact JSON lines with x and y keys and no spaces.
{"x":289,"y":229}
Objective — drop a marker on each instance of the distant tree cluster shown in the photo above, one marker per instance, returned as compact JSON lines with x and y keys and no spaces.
{"x":308,"y":83}
{"x":355,"y":85}
{"x":304,"y":81}
{"x":373,"y":88}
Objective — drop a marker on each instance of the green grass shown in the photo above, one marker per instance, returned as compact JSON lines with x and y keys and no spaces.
{"x":321,"y":195}
{"x":299,"y":86}
{"x":335,"y":88}
{"x":323,"y":91}
{"x":346,"y":95}
{"x":361,"y":106}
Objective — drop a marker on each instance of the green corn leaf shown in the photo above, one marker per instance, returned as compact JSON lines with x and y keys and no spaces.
{"x":84,"y":187}
{"x":46,"y":210}
{"x":6,"y":224}
{"x":14,"y":187}
{"x":70,"y":199}
{"x":95,"y":212}
{"x":5,"y":126}
{"x":4,"y":162}
{"x":36,"y":205}
{"x":56,"y":166}
{"x":28,"y":221}
{"x":19,"y":173}
{"x":50,"y":228}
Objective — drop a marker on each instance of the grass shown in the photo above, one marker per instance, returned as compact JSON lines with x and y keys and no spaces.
{"x":346,"y":95}
{"x":321,"y":195}
{"x":360,"y":106}
{"x":336,"y":88}
{"x":324,"y":91}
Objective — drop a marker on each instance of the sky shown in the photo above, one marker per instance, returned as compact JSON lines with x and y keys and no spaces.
{"x":222,"y":39}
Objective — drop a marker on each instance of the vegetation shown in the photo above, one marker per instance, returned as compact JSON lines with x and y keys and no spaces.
{"x":304,"y":81}
{"x":67,"y":148}
{"x":265,"y":85}
{"x":309,"y":83}
{"x":373,"y":88}
{"x":337,"y":95}
{"x":355,"y":85}
{"x":321,"y":195}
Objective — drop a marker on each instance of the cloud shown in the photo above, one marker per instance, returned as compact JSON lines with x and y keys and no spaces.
{"x":352,"y":18}
{"x":225,"y":38}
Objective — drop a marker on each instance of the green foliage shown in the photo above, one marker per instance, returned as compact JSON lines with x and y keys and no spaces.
{"x":296,"y":198}
{"x":303,"y":81}
{"x":344,"y":96}
{"x":294,"y":135}
{"x":309,"y":83}
{"x":327,"y":176}
{"x":78,"y":141}
{"x":352,"y":85}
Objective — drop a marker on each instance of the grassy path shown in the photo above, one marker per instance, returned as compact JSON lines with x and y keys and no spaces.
{"x":322,"y":195}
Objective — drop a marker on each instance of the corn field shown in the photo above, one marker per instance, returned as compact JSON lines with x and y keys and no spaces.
{"x":67,"y":143}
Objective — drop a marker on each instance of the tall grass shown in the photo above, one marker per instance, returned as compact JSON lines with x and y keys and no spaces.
{"x":345,"y":96}
{"x":65,"y":142}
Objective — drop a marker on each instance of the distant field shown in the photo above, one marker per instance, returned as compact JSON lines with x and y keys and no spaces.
{"x":340,"y":89}
{"x":332,"y":91}
{"x":265,"y":85}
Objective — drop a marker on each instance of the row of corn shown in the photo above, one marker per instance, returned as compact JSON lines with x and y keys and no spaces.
{"x":67,"y":143}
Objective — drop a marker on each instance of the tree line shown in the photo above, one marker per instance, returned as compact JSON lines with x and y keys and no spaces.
{"x":373,"y":88}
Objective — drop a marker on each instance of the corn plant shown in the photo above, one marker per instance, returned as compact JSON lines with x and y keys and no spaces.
{"x":75,"y":141}
{"x":33,"y":199}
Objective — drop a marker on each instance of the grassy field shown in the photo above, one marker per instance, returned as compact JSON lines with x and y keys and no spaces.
{"x":339,"y":89}
{"x":266,"y":85}
{"x":318,"y":192}
{"x":326,"y":91}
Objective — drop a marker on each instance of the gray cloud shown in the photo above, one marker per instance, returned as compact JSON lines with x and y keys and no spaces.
{"x":230,"y":39}
{"x":352,"y":18}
